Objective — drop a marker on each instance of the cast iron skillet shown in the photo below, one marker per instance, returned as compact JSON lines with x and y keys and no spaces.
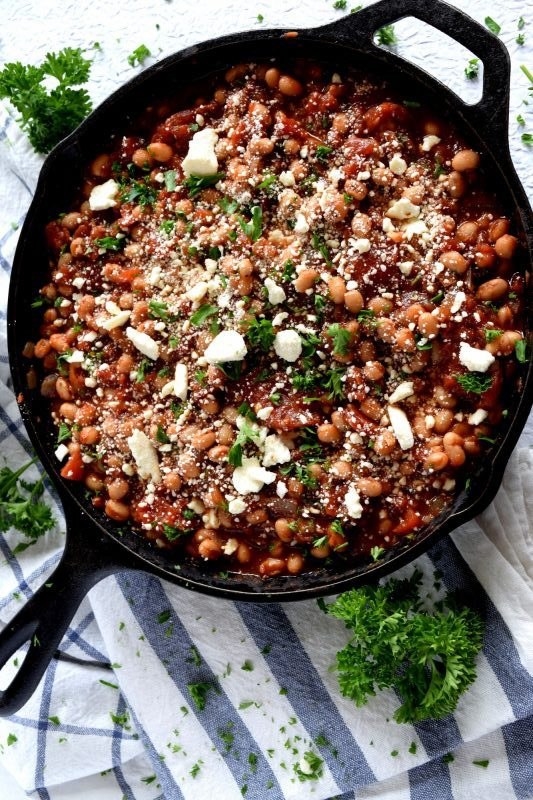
{"x":95,"y":546}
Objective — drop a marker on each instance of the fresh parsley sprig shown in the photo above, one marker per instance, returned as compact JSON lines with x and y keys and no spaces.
{"x":48,"y":115}
{"x":427,"y":656}
{"x":20,"y":504}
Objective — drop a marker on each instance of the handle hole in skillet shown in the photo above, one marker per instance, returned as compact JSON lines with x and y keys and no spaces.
{"x":439,"y":54}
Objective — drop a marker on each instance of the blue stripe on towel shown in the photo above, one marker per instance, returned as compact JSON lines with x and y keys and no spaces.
{"x":289,"y":662}
{"x":174,"y":652}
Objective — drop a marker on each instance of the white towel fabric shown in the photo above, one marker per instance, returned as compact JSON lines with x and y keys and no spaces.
{"x":133,"y":731}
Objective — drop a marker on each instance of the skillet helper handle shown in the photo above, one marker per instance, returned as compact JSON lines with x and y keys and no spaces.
{"x":493,"y":107}
{"x":88,"y":558}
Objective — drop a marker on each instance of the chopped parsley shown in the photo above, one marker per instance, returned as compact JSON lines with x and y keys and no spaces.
{"x":475,"y":382}
{"x":260,"y":334}
{"x":386,"y":35}
{"x":492,"y":25}
{"x":114,"y":243}
{"x":472,"y":69}
{"x":199,"y":691}
{"x":196,"y":183}
{"x":201,"y":314}
{"x":322,"y":152}
{"x":247,"y":433}
{"x":310,"y":767}
{"x":139,"y":55}
{"x":21,"y":506}
{"x":254,"y":228}
{"x":341,"y":337}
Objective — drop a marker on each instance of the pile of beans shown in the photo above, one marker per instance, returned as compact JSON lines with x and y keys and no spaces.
{"x":281,"y":324}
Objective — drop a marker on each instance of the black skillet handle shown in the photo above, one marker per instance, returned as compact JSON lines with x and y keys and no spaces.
{"x":88,"y":557}
{"x":492,"y":110}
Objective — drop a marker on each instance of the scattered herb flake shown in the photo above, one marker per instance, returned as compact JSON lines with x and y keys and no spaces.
{"x":492,"y":25}
{"x":139,"y":55}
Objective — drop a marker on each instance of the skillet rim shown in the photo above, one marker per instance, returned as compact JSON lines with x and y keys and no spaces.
{"x":319,"y":582}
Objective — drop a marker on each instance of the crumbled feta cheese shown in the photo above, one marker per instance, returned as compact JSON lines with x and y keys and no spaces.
{"x":363,"y":176}
{"x":61,"y":451}
{"x":401,"y":427}
{"x":387,"y":225}
{"x":236,"y":505}
{"x":250,"y":477}
{"x":275,"y":451}
{"x":281,"y":489}
{"x":458,"y":300}
{"x":103,"y":195}
{"x":287,"y":178}
{"x":181,"y":381}
{"x":116,"y":321}
{"x":227,"y":345}
{"x":352,"y":501}
{"x":279,"y":319}
{"x":479,"y":416}
{"x":403,"y":209}
{"x":415,"y":228}
{"x":429,"y":142}
{"x":265,"y":412}
{"x":232,"y":544}
{"x":145,"y":456}
{"x":201,"y":158}
{"x":403,"y":390}
{"x":196,"y":505}
{"x":276,"y":294}
{"x":76,"y":357}
{"x":288,"y":345}
{"x":301,"y":225}
{"x":406,"y":267}
{"x":144,"y":343}
{"x":78,"y":282}
{"x":197,"y":292}
{"x":397,"y":164}
{"x":361,"y":245}
{"x":474,"y":359}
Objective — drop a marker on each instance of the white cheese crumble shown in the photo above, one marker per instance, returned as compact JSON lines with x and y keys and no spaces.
{"x":236,"y":506}
{"x":103,"y":196}
{"x":232,"y":544}
{"x":226,"y":346}
{"x":275,"y":451}
{"x":145,"y":456}
{"x":403,"y":209}
{"x":479,"y":416}
{"x":61,"y":451}
{"x":281,"y":489}
{"x":361,"y":245}
{"x":401,"y":427}
{"x":279,"y":319}
{"x":250,"y":477}
{"x":201,"y":158}
{"x":352,"y":501}
{"x":181,"y":381}
{"x":402,"y":391}
{"x":276,"y":294}
{"x":197,"y":292}
{"x":301,"y":225}
{"x":458,"y":300}
{"x":116,"y":321}
{"x":144,"y":343}
{"x":287,"y":178}
{"x":429,"y":142}
{"x":474,"y":359}
{"x":288,"y":345}
{"x":397,"y":164}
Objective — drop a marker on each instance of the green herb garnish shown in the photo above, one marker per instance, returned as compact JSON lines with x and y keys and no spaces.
{"x":475,"y":382}
{"x":139,"y":55}
{"x":427,"y":657}
{"x":47,"y":116}
{"x":254,"y":228}
{"x":196,"y":183}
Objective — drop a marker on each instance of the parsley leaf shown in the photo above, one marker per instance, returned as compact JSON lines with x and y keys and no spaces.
{"x":195,"y":183}
{"x":47,"y":116}
{"x":254,"y":228}
{"x":472,"y":69}
{"x":261,"y":334}
{"x":139,"y":55}
{"x":492,"y":25}
{"x":427,"y":657}
{"x":475,"y":382}
{"x":386,"y":35}
{"x":20,"y":506}
{"x":341,"y":337}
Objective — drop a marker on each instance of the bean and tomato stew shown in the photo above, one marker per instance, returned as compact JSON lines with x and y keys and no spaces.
{"x":281,"y":323}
